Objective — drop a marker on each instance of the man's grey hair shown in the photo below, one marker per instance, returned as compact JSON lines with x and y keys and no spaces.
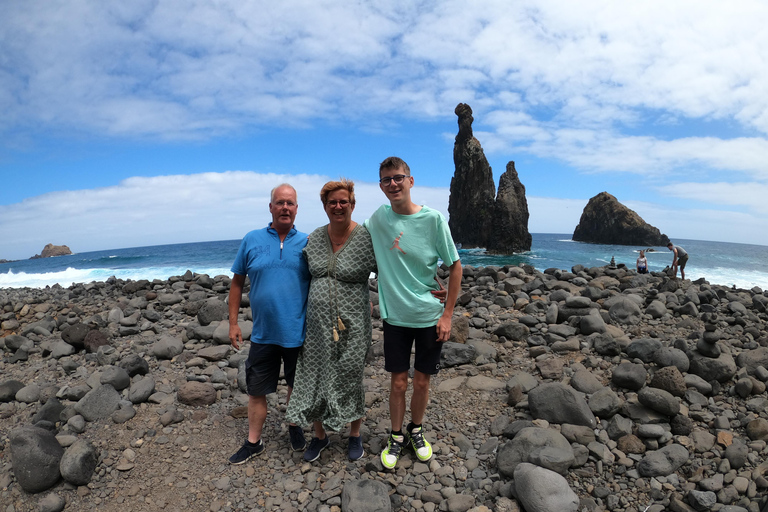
{"x":272,"y":193}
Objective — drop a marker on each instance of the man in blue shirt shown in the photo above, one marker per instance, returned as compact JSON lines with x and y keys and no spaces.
{"x":272,"y":259}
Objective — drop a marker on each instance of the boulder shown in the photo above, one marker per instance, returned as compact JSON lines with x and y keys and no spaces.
{"x":35,"y":457}
{"x":528,"y":440}
{"x":541,"y":490}
{"x":663,"y":462}
{"x":196,"y":393}
{"x":98,"y":403}
{"x":79,"y":462}
{"x":365,"y":496}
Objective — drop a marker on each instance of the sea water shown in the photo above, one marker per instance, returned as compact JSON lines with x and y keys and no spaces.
{"x":740,"y":265}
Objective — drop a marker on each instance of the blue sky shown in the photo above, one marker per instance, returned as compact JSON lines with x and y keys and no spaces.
{"x":136,"y":123}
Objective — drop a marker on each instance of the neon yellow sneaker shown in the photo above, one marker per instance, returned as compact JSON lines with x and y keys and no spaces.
{"x":391,"y":453}
{"x":419,"y":443}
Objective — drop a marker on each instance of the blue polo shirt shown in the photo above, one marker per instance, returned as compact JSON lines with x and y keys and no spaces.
{"x":279,"y":285}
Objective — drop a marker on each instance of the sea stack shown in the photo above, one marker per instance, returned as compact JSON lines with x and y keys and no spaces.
{"x":477,"y":219}
{"x":51,"y":250}
{"x":470,"y":205}
{"x":606,"y":221}
{"x":510,"y":220}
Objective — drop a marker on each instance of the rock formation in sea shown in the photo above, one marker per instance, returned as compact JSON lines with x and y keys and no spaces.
{"x":471,"y":203}
{"x":477,"y":219}
{"x":606,"y":221}
{"x":51,"y":250}
{"x":510,"y":220}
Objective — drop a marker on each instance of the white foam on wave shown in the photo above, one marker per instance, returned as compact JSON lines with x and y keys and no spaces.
{"x":745,"y":279}
{"x":70,"y":276}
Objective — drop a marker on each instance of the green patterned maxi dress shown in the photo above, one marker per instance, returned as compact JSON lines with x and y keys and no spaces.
{"x":329,"y":374}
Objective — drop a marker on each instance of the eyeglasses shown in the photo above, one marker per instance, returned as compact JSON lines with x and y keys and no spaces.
{"x":281,"y":204}
{"x":397,"y":178}
{"x":333,"y":203}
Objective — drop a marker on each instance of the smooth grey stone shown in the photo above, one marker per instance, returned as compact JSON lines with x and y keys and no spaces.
{"x":524,"y":380}
{"x":62,"y":349}
{"x":365,"y":496}
{"x":643,"y":349}
{"x":721,"y":369}
{"x":98,"y":403}
{"x":79,"y":462}
{"x":659,"y":400}
{"x":670,"y":356}
{"x":35,"y":456}
{"x":8,"y":390}
{"x":134,"y":364}
{"x":554,"y":459}
{"x":541,"y":490}
{"x":456,"y":354}
{"x":52,"y":502}
{"x":166,"y":348}
{"x":212,"y":310}
{"x":625,"y":311}
{"x":604,"y":403}
{"x":76,"y":424}
{"x":558,"y":403}
{"x":28,"y":394}
{"x":586,"y":382}
{"x":526,"y":441}
{"x":663,"y":462}
{"x":629,"y":375}
{"x":116,"y":377}
{"x":590,"y":324}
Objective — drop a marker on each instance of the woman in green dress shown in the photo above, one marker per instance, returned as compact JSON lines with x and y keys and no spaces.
{"x":328,"y":388}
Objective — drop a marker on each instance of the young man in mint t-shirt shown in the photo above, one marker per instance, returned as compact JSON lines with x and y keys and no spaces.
{"x":408,"y":240}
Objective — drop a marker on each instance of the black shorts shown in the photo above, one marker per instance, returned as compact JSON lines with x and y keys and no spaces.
{"x":262,"y":369}
{"x":681,"y":261}
{"x":398,"y":342}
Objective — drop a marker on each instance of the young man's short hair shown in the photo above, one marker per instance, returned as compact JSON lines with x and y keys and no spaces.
{"x":394,"y":162}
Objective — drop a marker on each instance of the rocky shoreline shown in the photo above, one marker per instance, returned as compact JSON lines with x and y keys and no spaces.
{"x":594,"y":389}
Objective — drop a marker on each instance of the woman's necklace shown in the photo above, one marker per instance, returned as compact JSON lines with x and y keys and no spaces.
{"x":343,"y":237}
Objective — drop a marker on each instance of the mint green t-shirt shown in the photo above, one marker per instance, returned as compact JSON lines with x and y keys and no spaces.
{"x":407,"y":249}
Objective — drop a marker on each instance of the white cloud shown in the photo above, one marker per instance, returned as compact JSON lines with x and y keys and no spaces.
{"x":144,"y":211}
{"x":593,"y":84}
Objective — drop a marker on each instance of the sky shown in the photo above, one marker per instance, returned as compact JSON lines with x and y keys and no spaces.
{"x":128,"y":124}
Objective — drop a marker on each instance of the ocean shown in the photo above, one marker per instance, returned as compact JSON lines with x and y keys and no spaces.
{"x":740,"y":265}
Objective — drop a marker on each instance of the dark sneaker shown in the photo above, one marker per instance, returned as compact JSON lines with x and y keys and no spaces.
{"x":420,"y":445}
{"x":298,"y":442}
{"x":355,"y":450}
{"x":316,"y":446}
{"x":391,"y":453}
{"x":247,"y":451}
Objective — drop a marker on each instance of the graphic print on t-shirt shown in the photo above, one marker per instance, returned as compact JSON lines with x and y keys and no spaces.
{"x":396,"y":243}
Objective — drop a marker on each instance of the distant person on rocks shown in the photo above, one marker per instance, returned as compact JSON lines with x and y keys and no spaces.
{"x":272,"y":259}
{"x":408,"y":239}
{"x":642,"y":263}
{"x":679,"y":259}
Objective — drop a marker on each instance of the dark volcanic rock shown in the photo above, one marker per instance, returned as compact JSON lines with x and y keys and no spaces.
{"x":477,"y":219}
{"x":606,"y":221}
{"x":52,"y":250}
{"x":510,"y":218}
{"x":471,"y":202}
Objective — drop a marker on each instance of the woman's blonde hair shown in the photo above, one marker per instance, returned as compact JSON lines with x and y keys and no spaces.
{"x":333,"y":186}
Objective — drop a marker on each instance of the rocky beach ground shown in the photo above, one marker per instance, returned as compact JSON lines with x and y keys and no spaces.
{"x":594,"y":389}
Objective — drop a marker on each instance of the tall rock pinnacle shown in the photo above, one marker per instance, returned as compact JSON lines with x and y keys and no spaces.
{"x":471,"y":205}
{"x":510,"y":226}
{"x":475,"y":218}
